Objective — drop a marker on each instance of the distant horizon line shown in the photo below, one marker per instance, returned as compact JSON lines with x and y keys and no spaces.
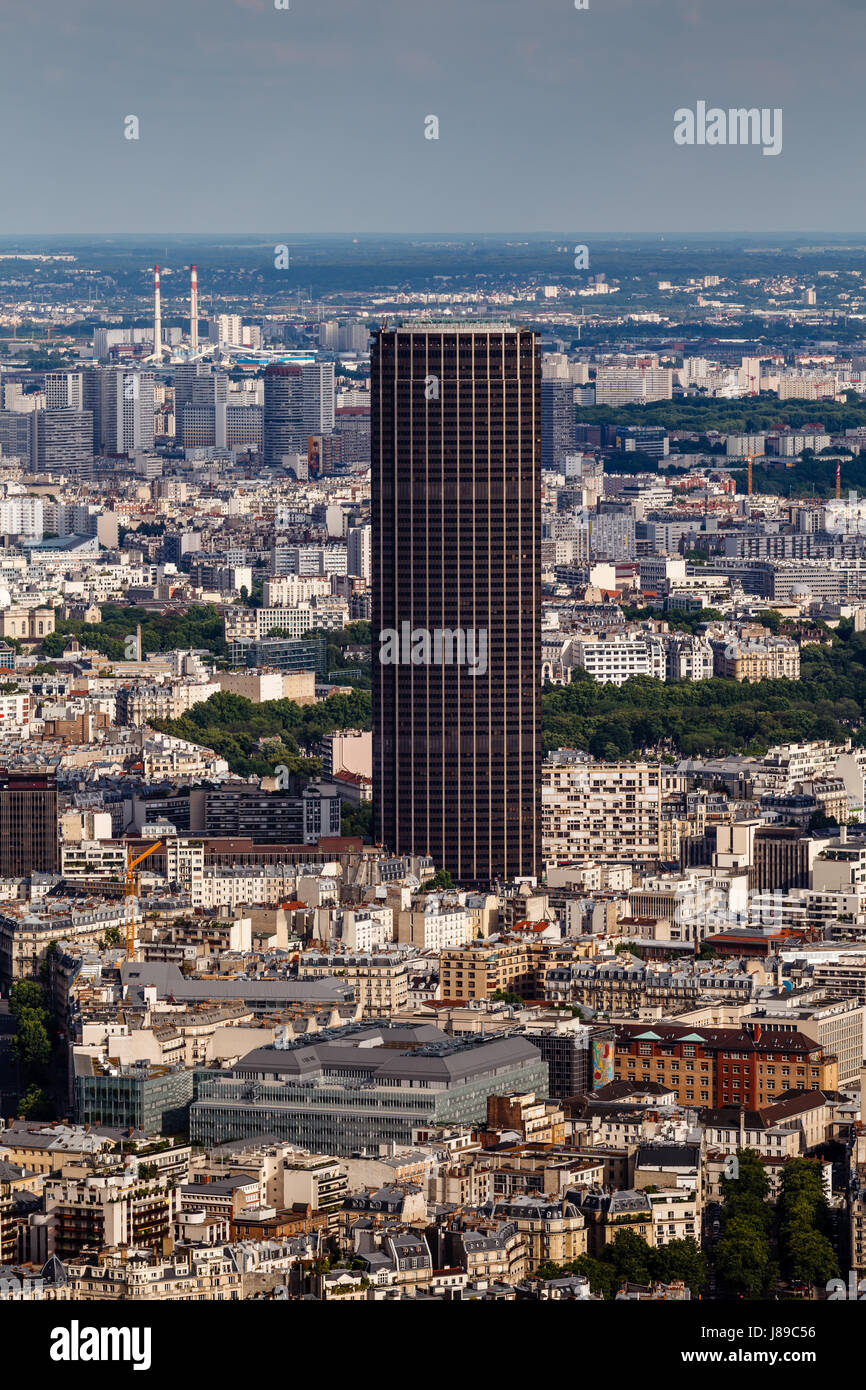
{"x":452,"y":233}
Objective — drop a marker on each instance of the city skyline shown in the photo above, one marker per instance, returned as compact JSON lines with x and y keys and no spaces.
{"x":433,"y":672}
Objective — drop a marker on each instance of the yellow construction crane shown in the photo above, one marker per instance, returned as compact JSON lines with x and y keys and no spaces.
{"x":132,"y":882}
{"x":749,"y":493}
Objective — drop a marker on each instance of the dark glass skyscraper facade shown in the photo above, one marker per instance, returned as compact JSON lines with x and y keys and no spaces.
{"x":456,"y":437}
{"x":28,"y":824}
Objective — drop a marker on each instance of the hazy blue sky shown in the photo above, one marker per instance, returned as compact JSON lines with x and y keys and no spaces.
{"x":312,"y":118}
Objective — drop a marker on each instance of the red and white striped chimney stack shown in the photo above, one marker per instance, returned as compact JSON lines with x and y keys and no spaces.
{"x":157,"y":317}
{"x":193,"y":309}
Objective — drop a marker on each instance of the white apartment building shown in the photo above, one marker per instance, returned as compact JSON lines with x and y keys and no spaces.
{"x":623,"y":385}
{"x":606,"y":811}
{"x":674,"y":1215}
{"x":105,"y":859}
{"x":613,"y":658}
{"x":15,"y":710}
{"x":739,"y":446}
{"x":264,"y":884}
{"x":688,"y":658}
{"x":326,"y":612}
{"x":359,"y":548}
{"x":437,"y":926}
{"x":227,"y":330}
{"x":184,"y":864}
{"x":22,"y":516}
{"x":380,"y":979}
{"x":138,"y":705}
{"x":656,"y":571}
{"x":365,"y":929}
{"x":290,"y":590}
{"x":309,"y":559}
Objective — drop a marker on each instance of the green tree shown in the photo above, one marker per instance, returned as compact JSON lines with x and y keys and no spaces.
{"x":441,"y":879}
{"x":26,"y":994}
{"x":680,"y":1260}
{"x":31,"y":1045}
{"x":810,"y":1258}
{"x":35,"y":1104}
{"x":630,"y":1257}
{"x":357,"y":820}
{"x":743,"y":1256}
{"x":601,"y":1275}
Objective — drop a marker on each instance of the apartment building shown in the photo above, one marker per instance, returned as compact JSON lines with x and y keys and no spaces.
{"x":612,"y":658}
{"x":92,"y":1209}
{"x":28,"y":929}
{"x":624,"y":385}
{"x":552,"y":1231}
{"x":188,"y":1275}
{"x":482,"y":968}
{"x":835,"y":1024}
{"x":315,"y":1181}
{"x":722,"y":1066}
{"x":380,"y":979}
{"x":436,"y":925}
{"x":608,"y":810}
{"x":675,"y":1216}
{"x":140,"y":704}
{"x":93,"y":859}
{"x":540,"y":1121}
{"x":774,"y":658}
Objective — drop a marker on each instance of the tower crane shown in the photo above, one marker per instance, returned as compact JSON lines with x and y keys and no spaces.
{"x":133,"y":881}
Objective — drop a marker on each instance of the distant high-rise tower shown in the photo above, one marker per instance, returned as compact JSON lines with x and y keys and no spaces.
{"x":283,"y":429}
{"x":64,"y":391}
{"x":456,"y":427}
{"x":358,"y":543}
{"x":129,"y":417}
{"x":318,"y":393}
{"x":61,"y":441}
{"x":28,"y":824}
{"x":557,"y":421}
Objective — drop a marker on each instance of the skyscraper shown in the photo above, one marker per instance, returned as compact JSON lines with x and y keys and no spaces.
{"x":64,"y":391}
{"x":456,"y":426}
{"x":122,"y":402}
{"x":28,"y":824}
{"x":15,"y":435}
{"x":61,"y":441}
{"x":358,"y":545}
{"x":557,"y":421}
{"x":318,"y":397}
{"x":200,"y":405}
{"x":283,"y":420}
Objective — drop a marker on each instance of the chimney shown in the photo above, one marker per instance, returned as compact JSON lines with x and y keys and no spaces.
{"x":742,"y":1126}
{"x":193,"y":309}
{"x":138,"y":651}
{"x":157,"y":317}
{"x":843,"y":833}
